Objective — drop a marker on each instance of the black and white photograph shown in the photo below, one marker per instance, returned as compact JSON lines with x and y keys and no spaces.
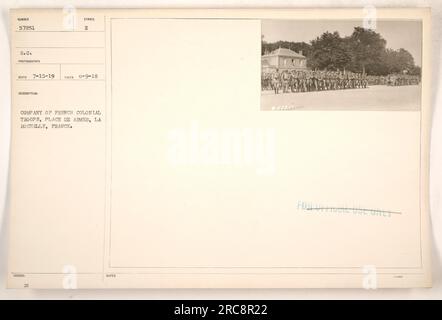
{"x":341,"y":65}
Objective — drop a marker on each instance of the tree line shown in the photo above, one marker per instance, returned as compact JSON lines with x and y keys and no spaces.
{"x":363,"y":51}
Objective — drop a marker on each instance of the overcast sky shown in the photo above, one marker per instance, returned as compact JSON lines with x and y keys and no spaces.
{"x":398,"y":34}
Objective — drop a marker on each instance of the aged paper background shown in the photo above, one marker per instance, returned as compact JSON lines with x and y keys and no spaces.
{"x":435,"y":66}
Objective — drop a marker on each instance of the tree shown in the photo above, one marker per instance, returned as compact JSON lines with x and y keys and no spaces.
{"x":404,"y":60}
{"x":367,"y":47}
{"x":415,"y":71}
{"x":364,"y":50}
{"x":329,"y":51}
{"x":397,"y":61}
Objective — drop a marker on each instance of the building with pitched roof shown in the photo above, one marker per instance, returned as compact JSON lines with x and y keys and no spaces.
{"x":283,"y":59}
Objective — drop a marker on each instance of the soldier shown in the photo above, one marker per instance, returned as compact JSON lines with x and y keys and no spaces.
{"x":342,"y":80}
{"x":346,"y":80}
{"x":307,"y":80}
{"x":364,"y":80}
{"x":359,"y":80}
{"x":313,"y":79}
{"x":352,"y":80}
{"x":285,"y":81}
{"x":299,"y":83}
{"x":383,"y":80}
{"x":266,"y":81}
{"x":275,"y":81}
{"x":320,"y":80}
{"x":335,"y":80}
{"x":303,"y":80}
{"x":391,"y":80}
{"x":293,"y":81}
{"x":326,"y":80}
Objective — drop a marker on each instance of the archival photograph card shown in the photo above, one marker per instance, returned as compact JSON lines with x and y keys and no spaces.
{"x":236,"y":148}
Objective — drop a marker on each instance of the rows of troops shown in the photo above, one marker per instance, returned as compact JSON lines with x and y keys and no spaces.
{"x":309,"y":80}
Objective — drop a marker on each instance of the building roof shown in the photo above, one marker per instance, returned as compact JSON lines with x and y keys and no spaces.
{"x":265,"y":63}
{"x":284,"y":53}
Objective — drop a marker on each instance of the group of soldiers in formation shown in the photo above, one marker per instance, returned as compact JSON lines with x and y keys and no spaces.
{"x":313,"y":80}
{"x":394,"y":80}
